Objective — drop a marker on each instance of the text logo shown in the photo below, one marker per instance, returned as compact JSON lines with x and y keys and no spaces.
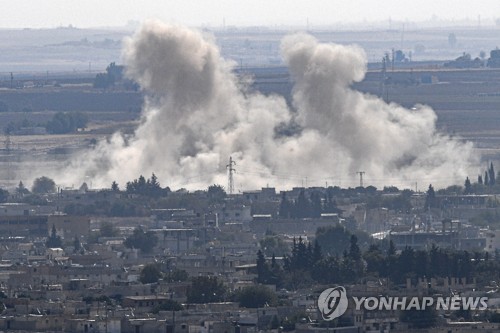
{"x":332,"y":303}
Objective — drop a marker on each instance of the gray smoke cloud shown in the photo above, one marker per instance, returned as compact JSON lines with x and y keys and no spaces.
{"x":198,"y":114}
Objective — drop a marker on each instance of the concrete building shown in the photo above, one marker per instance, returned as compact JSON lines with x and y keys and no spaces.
{"x":68,"y":226}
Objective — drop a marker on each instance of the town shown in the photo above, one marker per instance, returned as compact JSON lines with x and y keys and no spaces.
{"x":246,"y":180}
{"x":148,"y":259}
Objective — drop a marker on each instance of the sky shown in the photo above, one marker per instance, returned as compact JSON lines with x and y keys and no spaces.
{"x":204,"y":13}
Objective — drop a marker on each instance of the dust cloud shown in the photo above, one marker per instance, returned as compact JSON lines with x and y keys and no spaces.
{"x":198,"y":113}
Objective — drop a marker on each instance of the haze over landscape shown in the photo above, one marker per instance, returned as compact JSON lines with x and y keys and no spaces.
{"x":198,"y":115}
{"x":199,"y":13}
{"x":249,"y":166}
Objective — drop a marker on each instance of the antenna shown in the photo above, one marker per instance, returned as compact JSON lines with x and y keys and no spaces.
{"x":230,"y":168}
{"x":361,"y":173}
{"x":8,"y":151}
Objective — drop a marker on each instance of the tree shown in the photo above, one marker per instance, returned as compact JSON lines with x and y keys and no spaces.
{"x":206,"y":289}
{"x":77,"y":245}
{"x":168,"y":305}
{"x":480,"y":180}
{"x":216,"y":193}
{"x":302,"y":206}
{"x":65,"y":122}
{"x":430,"y":199}
{"x":150,"y":274}
{"x":263,"y":272}
{"x":101,"y":81}
{"x":177,"y":275}
{"x":333,"y":240}
{"x":4,"y":195}
{"x":114,"y":73}
{"x":316,"y":207}
{"x":54,"y":240}
{"x":21,"y":190}
{"x":467,"y":186}
{"x":150,"y":187}
{"x":317,"y":254}
{"x":107,"y":230}
{"x":482,"y":55}
{"x":256,"y":297}
{"x":285,"y":208}
{"x":375,"y":261}
{"x":114,"y":187}
{"x":419,"y":319}
{"x":354,"y":251}
{"x":491,"y":174}
{"x":144,"y":241}
{"x":392,"y":248}
{"x":43,"y":185}
{"x":274,"y":245}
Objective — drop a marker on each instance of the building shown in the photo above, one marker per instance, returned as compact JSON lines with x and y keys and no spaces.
{"x":69,"y":227}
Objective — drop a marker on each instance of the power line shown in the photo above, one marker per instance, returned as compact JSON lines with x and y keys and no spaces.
{"x":361,"y":173}
{"x":230,"y":168}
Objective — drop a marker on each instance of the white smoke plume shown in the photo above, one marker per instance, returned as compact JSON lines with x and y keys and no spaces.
{"x":198,"y":114}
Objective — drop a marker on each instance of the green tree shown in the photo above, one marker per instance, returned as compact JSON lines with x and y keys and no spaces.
{"x":4,"y":195}
{"x":101,"y":81}
{"x":206,"y":289}
{"x":274,"y":245}
{"x":114,"y":187}
{"x":150,"y":274}
{"x":430,"y":199}
{"x":64,"y":122}
{"x":43,"y":185}
{"x":77,"y":245}
{"x":285,"y":209}
{"x":216,"y":193}
{"x":327,"y":270}
{"x":177,"y":275}
{"x":150,"y":187}
{"x":53,"y":241}
{"x":263,"y":272}
{"x":107,"y":229}
{"x":420,"y":319}
{"x":491,"y":174}
{"x":168,"y":305}
{"x":316,"y":207}
{"x":333,"y":240}
{"x":144,"y":241}
{"x":375,"y":261}
{"x":302,"y":206}
{"x":354,"y":251}
{"x":21,"y":189}
{"x":256,"y":297}
{"x":275,"y":323}
{"x":114,"y":73}
{"x":467,"y":186}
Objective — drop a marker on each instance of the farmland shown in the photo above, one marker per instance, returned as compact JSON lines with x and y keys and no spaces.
{"x":465,"y":101}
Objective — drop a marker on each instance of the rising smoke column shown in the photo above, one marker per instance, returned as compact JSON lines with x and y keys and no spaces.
{"x":385,"y":140}
{"x":197,"y":114}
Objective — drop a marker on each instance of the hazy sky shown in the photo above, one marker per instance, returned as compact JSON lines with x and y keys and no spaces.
{"x":91,"y":13}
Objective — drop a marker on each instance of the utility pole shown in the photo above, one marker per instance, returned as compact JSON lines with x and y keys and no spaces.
{"x":230,"y":168}
{"x":361,"y":173}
